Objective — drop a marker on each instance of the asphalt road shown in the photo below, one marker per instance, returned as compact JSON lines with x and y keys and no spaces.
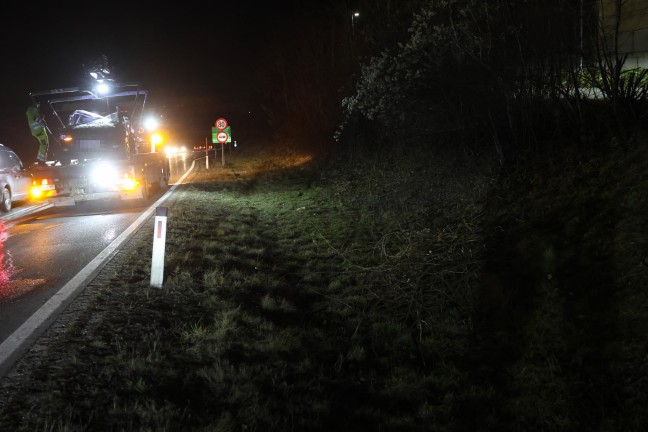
{"x":44,"y":250}
{"x":48,"y":254}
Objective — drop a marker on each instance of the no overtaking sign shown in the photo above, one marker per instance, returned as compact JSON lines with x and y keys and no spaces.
{"x":222,"y":137}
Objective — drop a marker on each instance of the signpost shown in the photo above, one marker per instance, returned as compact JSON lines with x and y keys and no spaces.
{"x":221,"y":133}
{"x":222,"y":138}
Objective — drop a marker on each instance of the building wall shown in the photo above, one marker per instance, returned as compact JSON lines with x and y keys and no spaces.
{"x":633,"y":29}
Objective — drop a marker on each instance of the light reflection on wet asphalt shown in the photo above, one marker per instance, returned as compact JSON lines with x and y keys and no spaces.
{"x":41,"y":252}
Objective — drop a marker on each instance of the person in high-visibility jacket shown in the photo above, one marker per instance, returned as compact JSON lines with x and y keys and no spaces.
{"x":39,"y":131}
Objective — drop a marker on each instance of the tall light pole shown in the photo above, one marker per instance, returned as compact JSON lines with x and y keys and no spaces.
{"x":354,"y":15}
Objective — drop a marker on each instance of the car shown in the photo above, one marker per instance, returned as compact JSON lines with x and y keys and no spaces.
{"x":15,"y":179}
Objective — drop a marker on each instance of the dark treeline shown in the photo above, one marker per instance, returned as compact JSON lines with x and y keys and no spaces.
{"x":493,"y":77}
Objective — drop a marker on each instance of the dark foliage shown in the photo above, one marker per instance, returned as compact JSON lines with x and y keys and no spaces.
{"x":500,"y":77}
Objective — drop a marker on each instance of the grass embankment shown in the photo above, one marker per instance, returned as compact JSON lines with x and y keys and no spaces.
{"x":403,"y":294}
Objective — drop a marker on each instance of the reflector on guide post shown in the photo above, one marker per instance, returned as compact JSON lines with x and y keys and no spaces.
{"x":159,"y":240}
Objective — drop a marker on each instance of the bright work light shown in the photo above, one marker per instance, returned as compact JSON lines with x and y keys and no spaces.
{"x":150,"y":123}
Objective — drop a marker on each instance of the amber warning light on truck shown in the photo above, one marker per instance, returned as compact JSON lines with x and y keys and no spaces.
{"x":103,"y":177}
{"x":42,"y":188}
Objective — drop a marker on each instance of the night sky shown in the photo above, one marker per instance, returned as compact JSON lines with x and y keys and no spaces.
{"x":196,"y":60}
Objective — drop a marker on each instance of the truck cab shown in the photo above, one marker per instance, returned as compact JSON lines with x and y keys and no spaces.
{"x":96,"y":145}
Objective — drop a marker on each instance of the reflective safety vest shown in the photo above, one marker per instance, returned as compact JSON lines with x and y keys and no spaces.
{"x":39,"y":131}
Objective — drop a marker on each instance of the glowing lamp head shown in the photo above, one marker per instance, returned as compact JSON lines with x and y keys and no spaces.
{"x":156,"y":139}
{"x":150,"y":123}
{"x":104,"y":173}
{"x":36,"y":191}
{"x":103,"y":88}
{"x":129,"y":184}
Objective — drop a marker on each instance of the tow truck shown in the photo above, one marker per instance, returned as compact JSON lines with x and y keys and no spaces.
{"x":93,"y":143}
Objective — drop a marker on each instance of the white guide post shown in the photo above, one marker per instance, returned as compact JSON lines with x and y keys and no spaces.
{"x":159,"y":240}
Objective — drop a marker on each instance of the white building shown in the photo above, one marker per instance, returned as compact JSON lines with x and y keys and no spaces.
{"x":632,"y":29}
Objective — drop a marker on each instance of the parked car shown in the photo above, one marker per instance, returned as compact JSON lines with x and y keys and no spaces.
{"x":15,"y":179}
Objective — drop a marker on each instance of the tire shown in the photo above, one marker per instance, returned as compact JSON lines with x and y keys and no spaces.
{"x":164,"y":182}
{"x":144,"y":184}
{"x":166,"y":174}
{"x":5,"y":205}
{"x":145,"y":190}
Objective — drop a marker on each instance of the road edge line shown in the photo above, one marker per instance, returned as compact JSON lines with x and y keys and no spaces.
{"x":21,"y":340}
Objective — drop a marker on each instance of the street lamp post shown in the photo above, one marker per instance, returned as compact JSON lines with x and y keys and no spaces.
{"x":354,"y":15}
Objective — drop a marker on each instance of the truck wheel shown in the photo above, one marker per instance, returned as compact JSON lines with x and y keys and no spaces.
{"x":145,"y":190}
{"x":5,"y":206}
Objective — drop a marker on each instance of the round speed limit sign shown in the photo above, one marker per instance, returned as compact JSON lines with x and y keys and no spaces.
{"x":221,"y":123}
{"x":222,"y":137}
